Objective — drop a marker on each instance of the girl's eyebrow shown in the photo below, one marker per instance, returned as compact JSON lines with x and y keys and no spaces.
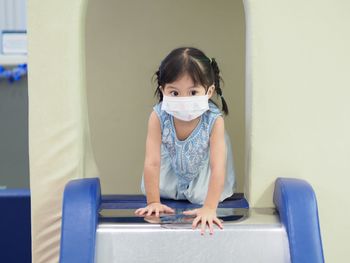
{"x":171,"y":87}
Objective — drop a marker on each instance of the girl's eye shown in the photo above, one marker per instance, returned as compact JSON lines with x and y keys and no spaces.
{"x":193,"y":92}
{"x":174,"y":93}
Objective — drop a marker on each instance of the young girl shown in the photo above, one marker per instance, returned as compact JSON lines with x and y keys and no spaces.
{"x":188,"y":153}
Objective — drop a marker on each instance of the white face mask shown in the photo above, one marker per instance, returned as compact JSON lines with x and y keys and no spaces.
{"x":185,"y":108}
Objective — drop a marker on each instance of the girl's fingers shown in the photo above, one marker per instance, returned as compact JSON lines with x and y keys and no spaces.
{"x":150,"y":210}
{"x":211,"y":227}
{"x":195,"y":222}
{"x":204,"y":221}
{"x":218,"y":222}
{"x":140,"y":211}
{"x":144,"y":211}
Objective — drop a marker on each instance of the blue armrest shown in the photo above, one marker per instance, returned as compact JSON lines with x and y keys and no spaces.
{"x":81,"y":203}
{"x":296,"y":203}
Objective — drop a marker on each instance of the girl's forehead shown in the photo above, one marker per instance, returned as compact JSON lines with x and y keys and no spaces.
{"x":184,"y":82}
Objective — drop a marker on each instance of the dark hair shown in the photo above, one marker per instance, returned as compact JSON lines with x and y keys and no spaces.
{"x":196,"y":64}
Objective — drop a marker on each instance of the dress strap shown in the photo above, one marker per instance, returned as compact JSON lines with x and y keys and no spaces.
{"x":213,"y":113}
{"x":160,"y":113}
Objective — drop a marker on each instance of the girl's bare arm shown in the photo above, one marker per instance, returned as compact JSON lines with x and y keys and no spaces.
{"x":217,"y":163}
{"x":152,"y":159}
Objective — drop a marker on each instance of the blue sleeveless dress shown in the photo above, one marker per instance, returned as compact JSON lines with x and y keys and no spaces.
{"x":185,"y":165}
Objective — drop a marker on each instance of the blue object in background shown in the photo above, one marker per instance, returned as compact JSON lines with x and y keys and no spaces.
{"x":14,"y":74}
{"x":15,"y":226}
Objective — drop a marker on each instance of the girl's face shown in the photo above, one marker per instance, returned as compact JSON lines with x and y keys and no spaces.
{"x":184,"y":87}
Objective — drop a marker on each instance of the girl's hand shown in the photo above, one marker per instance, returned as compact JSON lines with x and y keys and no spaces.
{"x":156,"y":207}
{"x":152,"y":219}
{"x":204,"y":214}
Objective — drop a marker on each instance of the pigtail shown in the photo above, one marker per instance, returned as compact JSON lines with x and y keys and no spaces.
{"x":217,"y":79}
{"x":158,"y":92}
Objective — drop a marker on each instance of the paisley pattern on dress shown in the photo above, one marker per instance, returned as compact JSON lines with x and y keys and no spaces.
{"x":190,"y":155}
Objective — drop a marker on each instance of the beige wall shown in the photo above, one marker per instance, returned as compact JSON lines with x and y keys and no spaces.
{"x":58,"y":132}
{"x":298,"y":83}
{"x":125,"y":42}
